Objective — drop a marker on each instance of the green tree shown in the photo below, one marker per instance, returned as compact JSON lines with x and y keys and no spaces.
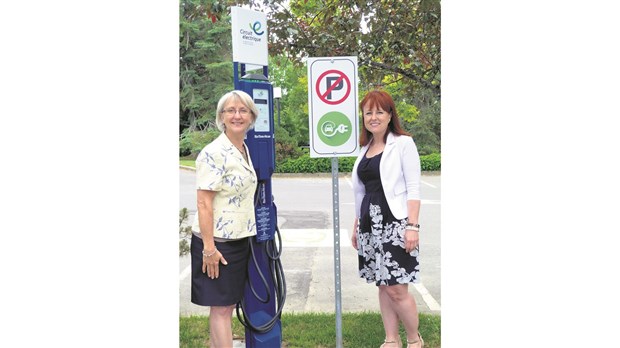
{"x":292,"y":78}
{"x":295,"y":111}
{"x":419,"y":112}
{"x":397,"y":43}
{"x":389,"y":37}
{"x":205,"y":68}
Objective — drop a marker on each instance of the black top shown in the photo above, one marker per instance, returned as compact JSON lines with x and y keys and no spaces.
{"x":368,"y":172}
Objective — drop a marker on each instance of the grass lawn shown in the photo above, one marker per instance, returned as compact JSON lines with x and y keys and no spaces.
{"x":189,"y":163}
{"x":316,"y":330}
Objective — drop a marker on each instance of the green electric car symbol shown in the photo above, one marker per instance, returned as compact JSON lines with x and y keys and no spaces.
{"x":329,"y":129}
{"x":334,"y":128}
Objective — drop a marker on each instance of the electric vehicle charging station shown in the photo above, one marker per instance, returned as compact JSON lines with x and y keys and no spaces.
{"x":265,"y":288}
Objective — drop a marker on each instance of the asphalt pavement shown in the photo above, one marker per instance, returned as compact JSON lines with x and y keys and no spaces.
{"x":305,"y":220}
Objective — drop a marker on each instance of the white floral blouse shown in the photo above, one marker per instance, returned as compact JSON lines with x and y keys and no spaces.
{"x":220,"y":167}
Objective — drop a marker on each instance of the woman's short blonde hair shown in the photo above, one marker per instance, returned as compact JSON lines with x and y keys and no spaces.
{"x":235,"y":95}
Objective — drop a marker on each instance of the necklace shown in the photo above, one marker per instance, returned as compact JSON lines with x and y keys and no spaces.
{"x":243,"y":152}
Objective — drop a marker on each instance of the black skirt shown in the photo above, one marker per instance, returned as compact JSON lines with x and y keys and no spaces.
{"x":381,"y":251}
{"x":228,"y":288}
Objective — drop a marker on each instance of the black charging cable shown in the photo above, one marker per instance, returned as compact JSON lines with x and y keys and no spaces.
{"x":273,"y":251}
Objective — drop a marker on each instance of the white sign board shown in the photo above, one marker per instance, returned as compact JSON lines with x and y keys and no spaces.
{"x":332,"y":102}
{"x":249,"y":36}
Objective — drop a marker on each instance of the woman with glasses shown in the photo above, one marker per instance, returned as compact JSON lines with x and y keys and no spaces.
{"x":386,"y":184}
{"x":225,"y":182}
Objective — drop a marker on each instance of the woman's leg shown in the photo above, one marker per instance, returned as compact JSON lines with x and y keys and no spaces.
{"x":404,"y":306}
{"x":389,"y":317}
{"x":220,"y":326}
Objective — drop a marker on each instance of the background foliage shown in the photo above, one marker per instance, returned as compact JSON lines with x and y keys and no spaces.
{"x":397,"y":44}
{"x":205,"y":66}
{"x":305,"y":164}
{"x":185,"y":232}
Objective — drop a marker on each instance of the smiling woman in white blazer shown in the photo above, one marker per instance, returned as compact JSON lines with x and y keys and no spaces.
{"x":400,"y":174}
{"x":386,"y":185}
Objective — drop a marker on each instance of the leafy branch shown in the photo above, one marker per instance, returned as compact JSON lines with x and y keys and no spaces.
{"x":185,"y":232}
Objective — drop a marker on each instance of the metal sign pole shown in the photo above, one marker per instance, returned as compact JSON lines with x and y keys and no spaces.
{"x":336,"y":215}
{"x":333,"y":126}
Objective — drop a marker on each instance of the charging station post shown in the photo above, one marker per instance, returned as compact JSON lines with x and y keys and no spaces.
{"x":261,"y":304}
{"x":265,"y":291}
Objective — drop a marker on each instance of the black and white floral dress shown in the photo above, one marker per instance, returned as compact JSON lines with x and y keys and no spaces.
{"x":380,"y":236}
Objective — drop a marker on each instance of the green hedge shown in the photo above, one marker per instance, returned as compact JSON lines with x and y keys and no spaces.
{"x":431,"y":162}
{"x":305,"y":164}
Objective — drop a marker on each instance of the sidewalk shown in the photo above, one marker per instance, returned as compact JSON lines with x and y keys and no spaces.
{"x":310,"y":277}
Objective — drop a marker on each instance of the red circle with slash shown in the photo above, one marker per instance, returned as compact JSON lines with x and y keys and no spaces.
{"x":331,"y":88}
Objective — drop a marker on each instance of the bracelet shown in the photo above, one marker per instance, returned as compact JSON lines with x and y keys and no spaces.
{"x":413,"y":227}
{"x":209,"y":255}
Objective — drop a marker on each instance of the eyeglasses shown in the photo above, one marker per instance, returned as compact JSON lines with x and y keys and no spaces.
{"x":232,"y":111}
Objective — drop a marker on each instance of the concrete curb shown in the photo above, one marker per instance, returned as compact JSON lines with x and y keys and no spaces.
{"x":320,"y":175}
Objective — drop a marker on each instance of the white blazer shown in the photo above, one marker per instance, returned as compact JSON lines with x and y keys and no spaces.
{"x":400,"y":174}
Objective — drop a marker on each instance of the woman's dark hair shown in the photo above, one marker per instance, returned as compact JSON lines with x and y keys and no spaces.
{"x":384,"y":101}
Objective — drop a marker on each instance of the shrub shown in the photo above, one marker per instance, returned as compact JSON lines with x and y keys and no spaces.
{"x":305,"y":164}
{"x":191,"y":142}
{"x":286,"y":146}
{"x":431,"y":162}
{"x":185,"y":232}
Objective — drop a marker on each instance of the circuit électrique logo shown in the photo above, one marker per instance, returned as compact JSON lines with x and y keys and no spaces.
{"x":256,"y":27}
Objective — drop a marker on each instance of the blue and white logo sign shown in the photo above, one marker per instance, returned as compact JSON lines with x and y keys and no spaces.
{"x":249,"y":36}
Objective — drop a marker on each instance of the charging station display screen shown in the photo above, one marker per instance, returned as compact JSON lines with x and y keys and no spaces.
{"x":261,"y":99}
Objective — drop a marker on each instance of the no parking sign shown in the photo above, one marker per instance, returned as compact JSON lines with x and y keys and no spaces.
{"x":332,"y":102}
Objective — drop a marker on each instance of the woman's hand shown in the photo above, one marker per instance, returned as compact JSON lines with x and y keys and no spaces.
{"x":354,"y":235}
{"x":354,"y":239}
{"x":211,"y":264}
{"x":412,"y":239}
